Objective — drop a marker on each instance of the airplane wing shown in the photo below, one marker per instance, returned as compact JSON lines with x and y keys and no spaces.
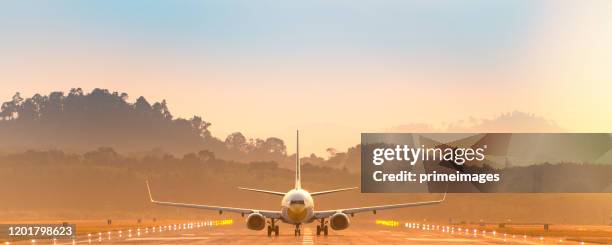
{"x":265,"y":213}
{"x":331,"y":191}
{"x":350,"y":211}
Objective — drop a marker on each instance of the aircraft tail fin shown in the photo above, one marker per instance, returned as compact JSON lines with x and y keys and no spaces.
{"x":298,"y":182}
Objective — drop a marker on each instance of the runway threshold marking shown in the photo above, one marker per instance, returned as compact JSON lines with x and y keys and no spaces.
{"x":417,"y":239}
{"x":523,"y":241}
{"x":165,"y":238}
{"x":307,"y":239}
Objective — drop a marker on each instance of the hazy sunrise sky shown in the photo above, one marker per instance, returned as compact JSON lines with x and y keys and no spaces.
{"x":330,"y":68}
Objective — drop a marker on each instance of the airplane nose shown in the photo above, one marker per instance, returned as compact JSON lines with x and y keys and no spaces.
{"x":296,"y":212}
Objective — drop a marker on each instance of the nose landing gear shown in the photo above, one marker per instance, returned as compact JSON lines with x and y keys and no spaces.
{"x":298,"y":231}
{"x":272,"y":227}
{"x":322,"y":228}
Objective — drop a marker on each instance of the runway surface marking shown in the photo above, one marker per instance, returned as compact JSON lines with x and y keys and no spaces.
{"x":524,"y":241}
{"x":439,"y":239}
{"x":307,"y":239}
{"x":166,"y":238}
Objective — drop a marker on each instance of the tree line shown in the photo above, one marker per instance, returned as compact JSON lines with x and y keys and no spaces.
{"x":79,"y":121}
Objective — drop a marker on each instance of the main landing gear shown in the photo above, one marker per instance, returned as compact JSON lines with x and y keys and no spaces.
{"x":322,"y":228}
{"x":272,"y":227}
{"x":298,"y":231}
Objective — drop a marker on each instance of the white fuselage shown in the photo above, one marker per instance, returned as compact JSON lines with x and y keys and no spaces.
{"x":297,"y":207}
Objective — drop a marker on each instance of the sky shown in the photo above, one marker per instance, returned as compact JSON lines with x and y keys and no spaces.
{"x":332,"y":69}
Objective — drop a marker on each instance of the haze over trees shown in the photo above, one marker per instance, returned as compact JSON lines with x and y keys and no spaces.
{"x":54,"y":183}
{"x":515,"y":121}
{"x":101,"y":184}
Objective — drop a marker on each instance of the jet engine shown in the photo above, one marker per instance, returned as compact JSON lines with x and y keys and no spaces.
{"x":256,"y":221}
{"x":339,"y":221}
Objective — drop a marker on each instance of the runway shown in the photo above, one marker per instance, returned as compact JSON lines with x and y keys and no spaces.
{"x":360,"y":234}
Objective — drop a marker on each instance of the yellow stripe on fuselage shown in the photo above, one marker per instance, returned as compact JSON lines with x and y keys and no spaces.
{"x":297,"y":212}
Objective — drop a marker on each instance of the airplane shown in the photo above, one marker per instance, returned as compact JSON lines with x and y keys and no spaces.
{"x":297,"y":208}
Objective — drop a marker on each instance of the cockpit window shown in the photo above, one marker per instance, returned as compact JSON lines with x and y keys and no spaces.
{"x":297,"y":202}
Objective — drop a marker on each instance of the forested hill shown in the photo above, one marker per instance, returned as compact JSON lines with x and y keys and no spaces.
{"x":77,"y":121}
{"x":83,"y":121}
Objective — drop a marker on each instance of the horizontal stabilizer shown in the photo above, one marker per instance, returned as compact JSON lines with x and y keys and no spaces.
{"x":331,"y":191}
{"x":263,"y":191}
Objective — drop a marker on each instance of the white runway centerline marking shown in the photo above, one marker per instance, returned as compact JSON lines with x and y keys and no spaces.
{"x":307,"y":239}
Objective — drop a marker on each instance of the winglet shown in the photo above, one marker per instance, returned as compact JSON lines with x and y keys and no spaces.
{"x":445,"y":192}
{"x":149,"y":190}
